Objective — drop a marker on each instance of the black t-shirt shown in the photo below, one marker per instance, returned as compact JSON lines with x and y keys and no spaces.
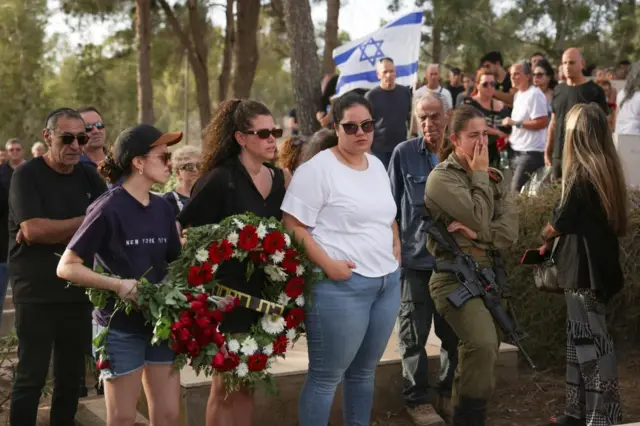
{"x":39,"y":192}
{"x":4,"y":219}
{"x":6,"y":171}
{"x":564,"y":98}
{"x":127,"y":239}
{"x":455,"y":91}
{"x":505,"y":85}
{"x":392,"y":111}
{"x":176,"y":200}
{"x":588,"y":253}
{"x":225,"y":191}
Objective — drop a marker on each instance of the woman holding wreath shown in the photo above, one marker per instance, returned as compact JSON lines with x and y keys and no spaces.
{"x":236,"y":177}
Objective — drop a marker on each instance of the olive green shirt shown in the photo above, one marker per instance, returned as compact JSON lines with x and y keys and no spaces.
{"x":479,"y":200}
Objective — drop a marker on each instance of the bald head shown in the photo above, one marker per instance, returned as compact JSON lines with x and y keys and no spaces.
{"x":432,"y":76}
{"x":573,"y":64}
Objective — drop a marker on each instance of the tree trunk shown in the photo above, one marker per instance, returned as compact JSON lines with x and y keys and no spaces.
{"x":330,"y":36}
{"x":436,"y":32}
{"x":143,"y":41}
{"x":246,"y":55}
{"x":227,"y":53}
{"x":304,"y":64}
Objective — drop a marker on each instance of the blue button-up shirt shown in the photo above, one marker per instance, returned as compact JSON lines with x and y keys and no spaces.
{"x":409,"y":168}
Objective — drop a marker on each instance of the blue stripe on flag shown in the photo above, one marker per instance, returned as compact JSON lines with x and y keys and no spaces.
{"x":410,"y":19}
{"x":344,"y":56}
{"x":372,"y":77}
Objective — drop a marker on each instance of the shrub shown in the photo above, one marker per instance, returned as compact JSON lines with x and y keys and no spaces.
{"x":543,"y":315}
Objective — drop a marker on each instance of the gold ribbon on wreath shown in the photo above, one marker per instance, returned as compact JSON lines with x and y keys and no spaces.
{"x":250,"y":302}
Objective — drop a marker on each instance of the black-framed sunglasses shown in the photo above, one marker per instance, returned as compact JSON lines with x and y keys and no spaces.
{"x":489,"y":83}
{"x":68,"y":138}
{"x":352,"y":128}
{"x":165,"y":157}
{"x":190,"y":167}
{"x":265,"y":133}
{"x":98,"y":125}
{"x":539,"y":74}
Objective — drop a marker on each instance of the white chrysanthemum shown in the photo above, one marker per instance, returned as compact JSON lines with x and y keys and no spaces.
{"x":275,"y":273}
{"x":233,"y":238}
{"x":202,"y":255}
{"x":272,"y":324}
{"x":300,"y":301}
{"x":291,"y":334}
{"x":242,"y":369}
{"x":249,"y":346}
{"x":233,"y":345}
{"x":261,"y":231}
{"x":277,"y":257}
{"x":287,"y":240}
{"x":283,"y":299}
{"x":238,"y":223}
{"x":299,"y":270}
{"x":268,"y":350}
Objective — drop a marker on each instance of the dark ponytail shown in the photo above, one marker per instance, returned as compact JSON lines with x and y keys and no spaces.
{"x":457,"y":123}
{"x":319,"y":141}
{"x":110,"y":170}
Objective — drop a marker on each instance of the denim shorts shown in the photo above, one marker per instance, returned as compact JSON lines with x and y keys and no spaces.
{"x":128,"y":352}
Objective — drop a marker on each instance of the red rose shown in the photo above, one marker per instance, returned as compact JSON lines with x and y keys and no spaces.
{"x":294,"y":287}
{"x":273,"y":242}
{"x":194,"y":348}
{"x":186,"y":322}
{"x":214,"y":253}
{"x":248,"y":238}
{"x":203,"y":322}
{"x":294,"y":317}
{"x":228,"y":307}
{"x":226,"y":249}
{"x":102,"y":364}
{"x":218,"y":339}
{"x":280,"y":345}
{"x":197,"y":306}
{"x":257,"y":362}
{"x":206,"y":270}
{"x":202,"y":297}
{"x":217,"y":361}
{"x":202,"y":339}
{"x":176,"y":346}
{"x":184,"y":335}
{"x":195,"y":278}
{"x":236,"y":301}
{"x":176,"y":326}
{"x":216,"y":315}
{"x":189,"y":296}
{"x":258,"y":257}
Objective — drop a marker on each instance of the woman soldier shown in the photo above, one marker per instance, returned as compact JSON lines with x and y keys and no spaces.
{"x":472,"y":200}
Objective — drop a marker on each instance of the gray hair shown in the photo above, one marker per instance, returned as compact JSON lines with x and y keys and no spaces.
{"x":182,"y":155}
{"x":55,"y":115}
{"x":38,"y":145}
{"x":633,"y":83}
{"x":431,"y":97}
{"x":526,"y":66}
{"x":12,"y":141}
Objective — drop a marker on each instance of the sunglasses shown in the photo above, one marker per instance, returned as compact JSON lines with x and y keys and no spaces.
{"x":352,"y":128}
{"x":265,"y":133}
{"x":89,"y":127}
{"x":165,"y":157}
{"x":190,"y":167}
{"x":539,"y":74}
{"x":68,"y":138}
{"x":489,"y":83}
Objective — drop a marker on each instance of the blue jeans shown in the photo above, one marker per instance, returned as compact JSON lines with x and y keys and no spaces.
{"x":348,"y":328}
{"x":4,"y":282}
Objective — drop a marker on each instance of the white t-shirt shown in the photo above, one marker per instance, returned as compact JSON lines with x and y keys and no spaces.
{"x":448,"y":100}
{"x":628,"y":120}
{"x":529,"y":105}
{"x":350,"y":211}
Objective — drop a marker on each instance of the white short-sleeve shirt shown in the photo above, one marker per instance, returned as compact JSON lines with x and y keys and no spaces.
{"x":628,"y":119}
{"x":350,"y":212}
{"x":529,"y":105}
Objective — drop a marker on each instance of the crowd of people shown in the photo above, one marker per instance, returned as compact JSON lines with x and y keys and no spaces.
{"x":355,"y":194}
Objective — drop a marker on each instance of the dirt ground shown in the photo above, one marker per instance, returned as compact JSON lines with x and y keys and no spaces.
{"x":535,"y":397}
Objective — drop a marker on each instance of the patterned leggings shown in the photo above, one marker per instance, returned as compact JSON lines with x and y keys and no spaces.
{"x":592,"y":381}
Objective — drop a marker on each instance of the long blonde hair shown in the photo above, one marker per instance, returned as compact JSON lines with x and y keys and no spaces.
{"x":590,"y":155}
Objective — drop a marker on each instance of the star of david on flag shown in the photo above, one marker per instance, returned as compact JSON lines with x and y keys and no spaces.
{"x":398,"y":40}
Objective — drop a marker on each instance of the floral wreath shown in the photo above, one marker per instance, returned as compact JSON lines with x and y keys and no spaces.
{"x":188,"y":307}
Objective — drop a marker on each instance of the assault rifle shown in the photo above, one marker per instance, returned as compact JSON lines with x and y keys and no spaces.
{"x":477,"y":282}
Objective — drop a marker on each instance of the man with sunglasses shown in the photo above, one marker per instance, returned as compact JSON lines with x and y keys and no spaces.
{"x":48,"y":198}
{"x":95,"y":149}
{"x":411,"y":163}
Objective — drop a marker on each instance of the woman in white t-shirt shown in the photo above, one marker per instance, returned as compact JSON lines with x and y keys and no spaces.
{"x":628,"y":101}
{"x":529,"y":119}
{"x":339,"y":205}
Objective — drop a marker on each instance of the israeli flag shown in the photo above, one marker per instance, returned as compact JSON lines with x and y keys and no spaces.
{"x":398,"y":40}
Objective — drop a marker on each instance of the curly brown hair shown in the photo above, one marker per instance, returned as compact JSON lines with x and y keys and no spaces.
{"x":218,"y":140}
{"x":290,"y":152}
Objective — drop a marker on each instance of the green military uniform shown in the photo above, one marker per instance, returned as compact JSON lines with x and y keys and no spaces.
{"x":480,"y":201}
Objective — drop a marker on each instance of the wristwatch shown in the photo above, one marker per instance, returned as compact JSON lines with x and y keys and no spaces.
{"x":519,"y":124}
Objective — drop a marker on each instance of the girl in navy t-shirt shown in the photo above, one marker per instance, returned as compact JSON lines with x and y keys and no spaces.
{"x":129,"y":232}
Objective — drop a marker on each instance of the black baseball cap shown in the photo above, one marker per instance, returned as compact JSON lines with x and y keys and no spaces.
{"x":138,"y":140}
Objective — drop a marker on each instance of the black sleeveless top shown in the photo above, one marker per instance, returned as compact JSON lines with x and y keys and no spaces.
{"x":225,"y":191}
